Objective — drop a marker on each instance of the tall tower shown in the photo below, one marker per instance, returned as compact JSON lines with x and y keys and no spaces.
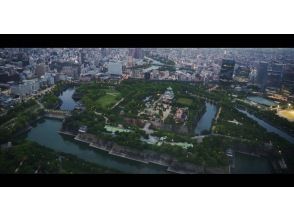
{"x":274,"y":76}
{"x":227,"y":70}
{"x":288,"y":77}
{"x":262,"y":74}
{"x":136,"y":53}
{"x":131,"y":56}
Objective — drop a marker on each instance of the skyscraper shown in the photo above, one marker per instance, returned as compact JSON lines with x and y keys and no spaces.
{"x":131,"y":52}
{"x":288,"y":77}
{"x":261,"y":77}
{"x":242,"y":74}
{"x":136,"y":53}
{"x":227,"y":70}
{"x":274,"y":75}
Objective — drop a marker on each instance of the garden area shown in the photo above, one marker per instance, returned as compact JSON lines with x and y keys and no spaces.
{"x":28,"y":157}
{"x":101,"y":97}
{"x":98,"y":97}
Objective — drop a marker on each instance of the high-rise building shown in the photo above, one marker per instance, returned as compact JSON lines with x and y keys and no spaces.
{"x":227,"y":70}
{"x":131,"y":52}
{"x":261,"y":77}
{"x":130,"y":57}
{"x":288,"y":77}
{"x":242,"y":74}
{"x":136,"y":53}
{"x":274,"y":75}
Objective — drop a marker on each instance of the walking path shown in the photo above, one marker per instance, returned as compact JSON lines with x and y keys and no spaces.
{"x":217,"y":116}
{"x":40,"y":104}
{"x":146,"y":128}
{"x":220,"y":135}
{"x":105,"y":118}
{"x":118,"y":103}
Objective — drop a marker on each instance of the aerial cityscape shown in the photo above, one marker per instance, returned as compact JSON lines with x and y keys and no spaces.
{"x":147,"y":110}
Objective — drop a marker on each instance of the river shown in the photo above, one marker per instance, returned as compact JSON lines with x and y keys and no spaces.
{"x":45,"y":132}
{"x":67,"y":101}
{"x":205,"y":122}
{"x":268,"y":127}
{"x":243,"y":163}
{"x":247,"y":164}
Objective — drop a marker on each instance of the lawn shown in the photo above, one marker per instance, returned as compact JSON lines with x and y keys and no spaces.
{"x":109,"y":99}
{"x":185,"y":101}
{"x":101,"y":98}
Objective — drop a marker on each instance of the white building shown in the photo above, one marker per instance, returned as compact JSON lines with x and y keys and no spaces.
{"x":168,"y":94}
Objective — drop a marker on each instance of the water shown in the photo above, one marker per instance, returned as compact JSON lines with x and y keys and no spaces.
{"x":67,"y":102}
{"x":247,"y":164}
{"x":243,"y":163}
{"x":45,"y":133}
{"x":268,"y":127}
{"x":207,"y":118}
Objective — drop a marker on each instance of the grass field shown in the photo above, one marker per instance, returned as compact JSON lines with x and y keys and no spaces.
{"x":109,"y":99}
{"x":185,"y":101}
{"x":101,"y":99}
{"x":106,"y":101}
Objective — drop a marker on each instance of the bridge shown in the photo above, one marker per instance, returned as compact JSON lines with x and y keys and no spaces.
{"x":59,"y":114}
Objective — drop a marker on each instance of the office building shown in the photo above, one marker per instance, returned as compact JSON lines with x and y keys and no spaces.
{"x":288,"y":76}
{"x":136,"y":53}
{"x":261,"y":76}
{"x":274,"y":75}
{"x":227,"y":70}
{"x":242,"y":74}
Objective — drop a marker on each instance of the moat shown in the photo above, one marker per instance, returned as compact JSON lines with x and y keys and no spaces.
{"x":45,"y":132}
